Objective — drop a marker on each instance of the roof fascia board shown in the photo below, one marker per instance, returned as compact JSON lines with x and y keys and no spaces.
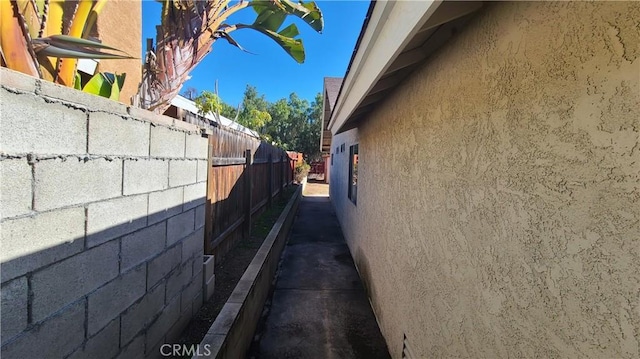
{"x":379,"y":17}
{"x":449,"y":11}
{"x":390,"y":23}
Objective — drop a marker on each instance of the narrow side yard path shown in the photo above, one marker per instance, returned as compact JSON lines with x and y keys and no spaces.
{"x":319,"y":308}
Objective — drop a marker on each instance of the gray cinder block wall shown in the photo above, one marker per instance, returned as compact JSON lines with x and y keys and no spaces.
{"x":102,"y":216}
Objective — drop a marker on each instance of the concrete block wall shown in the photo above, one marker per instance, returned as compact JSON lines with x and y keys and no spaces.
{"x":101,"y":224}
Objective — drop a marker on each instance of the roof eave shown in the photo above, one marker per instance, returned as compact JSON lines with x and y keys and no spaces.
{"x":391,"y":27}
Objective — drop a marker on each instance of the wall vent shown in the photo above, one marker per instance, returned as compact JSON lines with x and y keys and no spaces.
{"x":406,"y":349}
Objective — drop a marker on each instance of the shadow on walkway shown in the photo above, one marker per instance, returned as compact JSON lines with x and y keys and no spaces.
{"x":319,"y":308}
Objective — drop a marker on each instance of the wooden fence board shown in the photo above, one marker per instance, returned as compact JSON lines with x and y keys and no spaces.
{"x":237,"y":190}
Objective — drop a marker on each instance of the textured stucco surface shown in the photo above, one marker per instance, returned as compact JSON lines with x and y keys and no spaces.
{"x":499,"y":189}
{"x":339,"y":183}
{"x":120,"y":26}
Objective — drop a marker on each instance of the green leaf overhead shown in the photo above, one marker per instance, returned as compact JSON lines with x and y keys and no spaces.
{"x":271,"y":14}
{"x":293,"y":47}
{"x":308,"y":12}
{"x":290,"y":31}
{"x":208,"y":103}
{"x":270,"y":18}
{"x":189,"y":29}
{"x":233,"y":42}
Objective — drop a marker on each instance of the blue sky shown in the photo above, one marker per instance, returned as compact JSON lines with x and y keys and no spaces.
{"x":271,"y":70}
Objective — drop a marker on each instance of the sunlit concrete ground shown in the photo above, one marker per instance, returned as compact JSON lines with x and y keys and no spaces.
{"x":316,"y":189}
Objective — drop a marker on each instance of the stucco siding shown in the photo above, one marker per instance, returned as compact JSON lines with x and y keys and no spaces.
{"x":498,"y":205}
{"x":120,"y":26}
{"x":339,"y":181}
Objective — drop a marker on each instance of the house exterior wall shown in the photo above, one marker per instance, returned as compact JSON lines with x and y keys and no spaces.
{"x":101,"y":224}
{"x":499,"y":189}
{"x":339,"y":182}
{"x":327,"y":167}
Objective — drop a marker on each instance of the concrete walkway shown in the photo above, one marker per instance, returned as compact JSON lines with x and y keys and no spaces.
{"x":319,"y":308}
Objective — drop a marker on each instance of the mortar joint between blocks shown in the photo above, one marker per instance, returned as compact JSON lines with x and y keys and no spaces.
{"x":33,"y":181}
{"x":34,"y":213}
{"x":119,"y":318}
{"x":87,"y":144}
{"x":120,"y":255}
{"x":149,"y":147}
{"x":184,"y":150}
{"x":146,"y":219}
{"x":29,"y":300}
{"x":87,"y":157}
{"x":86,"y":228}
{"x":38,"y":86}
{"x":16,"y":91}
{"x":146,"y":280}
{"x":70,"y":105}
{"x":122,"y":180}
{"x":86,"y":318}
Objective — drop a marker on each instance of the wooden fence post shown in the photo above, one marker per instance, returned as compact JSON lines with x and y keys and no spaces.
{"x":281,"y":174}
{"x":247,"y":193}
{"x":208,"y":209}
{"x":269,"y":180}
{"x":285,"y":169}
{"x":292,"y":164}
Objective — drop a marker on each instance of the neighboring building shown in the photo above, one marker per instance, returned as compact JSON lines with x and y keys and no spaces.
{"x":486,"y":174}
{"x":186,"y":110}
{"x":120,"y":25}
{"x":330,"y":91}
{"x":330,"y":94}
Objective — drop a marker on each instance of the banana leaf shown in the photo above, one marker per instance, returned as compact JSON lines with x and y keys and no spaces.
{"x":105,"y":85}
{"x":271,"y":14}
{"x":284,"y":38}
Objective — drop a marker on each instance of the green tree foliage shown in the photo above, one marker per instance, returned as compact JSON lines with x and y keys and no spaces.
{"x":210,"y":103}
{"x":189,"y":29}
{"x":309,"y":138}
{"x":253,"y":112}
{"x":301,"y":170}
{"x":291,"y":123}
{"x":279,"y":127}
{"x":296,"y":125}
{"x":228,"y":111}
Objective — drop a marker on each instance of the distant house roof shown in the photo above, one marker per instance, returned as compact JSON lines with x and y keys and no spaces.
{"x":332,"y":88}
{"x":188,"y":105}
{"x":397,"y":36}
{"x":330,"y":96}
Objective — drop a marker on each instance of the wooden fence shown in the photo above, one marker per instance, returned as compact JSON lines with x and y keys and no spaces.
{"x":244,"y":176}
